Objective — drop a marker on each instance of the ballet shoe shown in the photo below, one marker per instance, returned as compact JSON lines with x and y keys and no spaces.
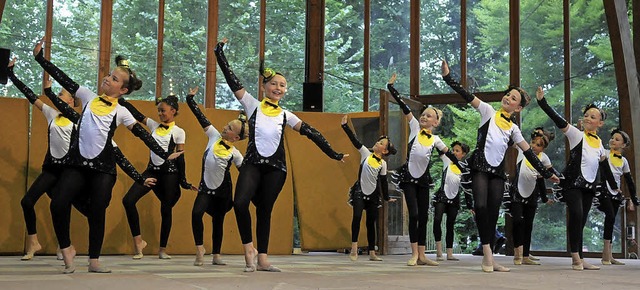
{"x":577,"y":266}
{"x":439,"y":258}
{"x":616,"y":262}
{"x":251,"y":267}
{"x":528,"y":261}
{"x":487,"y":268}
{"x":138,"y":256}
{"x":605,"y":262}
{"x":413,"y":261}
{"x":533,"y":258}
{"x":69,"y":269}
{"x":59,"y":255}
{"x":499,"y":268}
{"x":374,"y":257}
{"x":31,"y":252}
{"x":164,"y":256}
{"x":353,"y":256}
{"x":452,"y":258}
{"x":427,"y":262}
{"x":588,"y":266}
{"x":27,"y":256}
{"x":517,"y":261}
{"x":199,"y":261}
{"x":99,"y":270}
{"x":217,"y":261}
{"x":271,"y":268}
{"x":139,"y":249}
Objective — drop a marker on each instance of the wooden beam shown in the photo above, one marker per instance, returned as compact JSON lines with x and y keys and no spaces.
{"x":414,"y":48}
{"x":104,"y":58}
{"x":2,"y":4}
{"x":383,"y":225}
{"x":160,"y":50}
{"x":212,"y":40}
{"x":626,"y":78}
{"x":444,"y":99}
{"x":367,"y":61}
{"x":463,"y":43}
{"x":566,"y":20}
{"x":314,"y":52}
{"x":261,"y":44}
{"x":48,"y":32}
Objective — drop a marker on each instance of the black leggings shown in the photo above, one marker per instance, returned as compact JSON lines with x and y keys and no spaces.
{"x":167,"y":189}
{"x":371,"y":207}
{"x":487,"y":196}
{"x":417,"y":199}
{"x":259,"y":184}
{"x":578,"y":205}
{"x":81,"y":183}
{"x":43,"y":183}
{"x":217,"y":208}
{"x":451,"y":210}
{"x":610,"y":209}
{"x":523,"y":215}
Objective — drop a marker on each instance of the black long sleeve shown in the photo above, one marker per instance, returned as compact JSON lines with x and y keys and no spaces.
{"x":320,"y":141}
{"x":632,"y":188}
{"x":384,"y":187}
{"x":535,"y":162}
{"x":354,"y":140}
{"x":458,"y":88}
{"x":26,"y":91}
{"x":63,"y":107}
{"x":62,"y":78}
{"x":136,"y":114}
{"x":202,"y":119}
{"x":605,"y":172}
{"x":396,"y":95}
{"x":148,"y":140}
{"x":541,"y":188}
{"x":127,"y":167}
{"x":180,"y":163}
{"x":232,"y":80}
{"x":557,"y":119}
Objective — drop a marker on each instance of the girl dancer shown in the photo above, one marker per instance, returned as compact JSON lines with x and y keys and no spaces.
{"x":364,"y":194}
{"x":447,"y":200}
{"x":214,"y":192}
{"x":170,"y":174}
{"x":60,"y":130}
{"x":263,"y":172}
{"x":586,"y":158}
{"x":414,"y":177}
{"x":610,"y":199}
{"x":497,"y":131}
{"x":92,"y":163}
{"x":525,"y":190}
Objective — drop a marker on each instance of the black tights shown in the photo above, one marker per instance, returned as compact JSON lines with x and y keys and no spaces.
{"x":523,"y":215}
{"x":167,"y":190}
{"x":487,"y":196}
{"x":451,"y":210}
{"x":371,"y":207}
{"x":260,"y":184}
{"x":75,"y":183}
{"x":417,"y":199}
{"x":43,"y":183}
{"x":610,"y":209}
{"x":217,"y":208}
{"x":578,"y":206}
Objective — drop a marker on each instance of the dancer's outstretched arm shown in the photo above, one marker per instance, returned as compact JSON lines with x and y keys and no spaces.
{"x":469,"y":97}
{"x":232,"y":80}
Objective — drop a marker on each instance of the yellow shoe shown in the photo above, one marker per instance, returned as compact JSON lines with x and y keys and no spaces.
{"x":428,"y":262}
{"x":528,"y":261}
{"x":616,"y":262}
{"x":413,"y":261}
{"x":353,"y":256}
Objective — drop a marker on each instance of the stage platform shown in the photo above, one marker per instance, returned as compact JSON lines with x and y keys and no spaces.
{"x":311,"y":271}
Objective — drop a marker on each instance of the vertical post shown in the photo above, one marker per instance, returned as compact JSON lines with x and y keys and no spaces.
{"x":383,"y":226}
{"x":414,"y":49}
{"x":367,"y":56}
{"x":48,"y":32}
{"x":463,"y":43}
{"x":261,"y":44}
{"x":566,"y":17}
{"x":159,"y":51}
{"x":104,"y":58}
{"x":212,"y":40}
{"x":312,"y":97}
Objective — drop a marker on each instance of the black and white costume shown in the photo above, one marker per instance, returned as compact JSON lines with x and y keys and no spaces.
{"x":214,"y":193}
{"x":366,"y":192}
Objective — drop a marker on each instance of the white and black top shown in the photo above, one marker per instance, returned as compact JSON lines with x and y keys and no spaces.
{"x":451,"y":175}
{"x":619,"y":166}
{"x":60,"y":131}
{"x":527,"y":174}
{"x":167,"y":137}
{"x":100,"y":118}
{"x":266,"y":134}
{"x":371,"y":168}
{"x":216,"y":163}
{"x":584,"y":158}
{"x":421,"y":147}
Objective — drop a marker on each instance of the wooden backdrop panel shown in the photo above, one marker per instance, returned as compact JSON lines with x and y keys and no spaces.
{"x":321,"y":185}
{"x":14,"y":140}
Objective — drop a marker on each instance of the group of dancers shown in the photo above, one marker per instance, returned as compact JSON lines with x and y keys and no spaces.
{"x":79,"y":169}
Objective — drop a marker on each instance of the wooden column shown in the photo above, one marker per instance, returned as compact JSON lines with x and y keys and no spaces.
{"x":383,"y":224}
{"x":261,"y":44}
{"x":463,"y":43}
{"x":212,"y":40}
{"x":627,"y":80}
{"x":414,"y":49}
{"x":367,"y":56}
{"x":48,"y":32}
{"x":314,"y":55}
{"x":2,"y":4}
{"x":160,"y":50}
{"x":104,"y":58}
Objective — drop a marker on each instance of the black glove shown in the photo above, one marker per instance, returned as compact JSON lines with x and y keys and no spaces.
{"x":320,"y":141}
{"x":136,"y":114}
{"x":62,"y":78}
{"x":232,"y":80}
{"x":458,"y":88}
{"x":354,"y":140}
{"x":557,"y":119}
{"x":396,"y":95}
{"x":202,"y":119}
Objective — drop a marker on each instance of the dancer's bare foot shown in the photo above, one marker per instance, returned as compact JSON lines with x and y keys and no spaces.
{"x":162,"y":254}
{"x":32,"y":246}
{"x":199,"y":256}
{"x":265,"y":265}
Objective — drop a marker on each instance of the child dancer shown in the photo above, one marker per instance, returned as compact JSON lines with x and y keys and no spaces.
{"x":365,"y":193}
{"x":586,"y":158}
{"x":525,"y":189}
{"x":447,"y":200}
{"x":495,"y":134}
{"x":414,"y":178}
{"x":214,"y":192}
{"x":610,"y":199}
{"x":170,"y":174}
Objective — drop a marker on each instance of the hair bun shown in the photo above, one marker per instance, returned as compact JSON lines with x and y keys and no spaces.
{"x":122,"y":61}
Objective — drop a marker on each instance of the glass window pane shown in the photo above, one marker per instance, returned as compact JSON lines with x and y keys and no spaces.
{"x":285,"y":46}
{"x":29,"y":16}
{"x":488,"y":45}
{"x":185,"y":48}
{"x":439,"y":38}
{"x":135,"y":36}
{"x":239,"y":21}
{"x":74,"y":48}
{"x":389,"y":45}
{"x":344,"y":36}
